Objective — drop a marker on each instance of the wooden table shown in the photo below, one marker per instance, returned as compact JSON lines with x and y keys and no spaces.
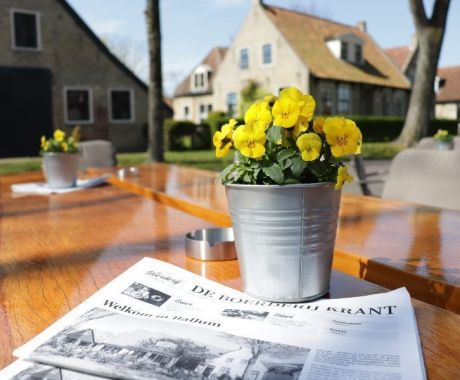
{"x":58,"y":250}
{"x":389,"y":243}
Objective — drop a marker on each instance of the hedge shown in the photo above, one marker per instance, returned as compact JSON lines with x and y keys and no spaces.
{"x":185,"y":135}
{"x":374,"y":128}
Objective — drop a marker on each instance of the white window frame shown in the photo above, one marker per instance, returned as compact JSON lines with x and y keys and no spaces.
{"x":262,"y":64}
{"x":90,"y":99}
{"x":131,"y":104}
{"x":238,"y":59}
{"x":38,"y":30}
{"x":189,"y":108}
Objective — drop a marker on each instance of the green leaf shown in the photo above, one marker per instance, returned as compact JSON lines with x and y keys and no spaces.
{"x":223,"y":176}
{"x":274,"y":134}
{"x":291,"y":181}
{"x":285,"y":154}
{"x":275,"y":173}
{"x":298,"y":166}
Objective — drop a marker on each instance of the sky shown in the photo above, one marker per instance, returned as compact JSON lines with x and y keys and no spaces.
{"x":190,"y":28}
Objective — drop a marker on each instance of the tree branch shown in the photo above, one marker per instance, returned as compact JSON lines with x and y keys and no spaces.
{"x":439,"y":16}
{"x":418,"y":13}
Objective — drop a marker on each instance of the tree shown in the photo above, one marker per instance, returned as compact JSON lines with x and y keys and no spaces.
{"x":155,"y":150}
{"x":430,"y":34}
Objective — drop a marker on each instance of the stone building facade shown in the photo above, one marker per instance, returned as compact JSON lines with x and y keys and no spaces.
{"x":55,"y":73}
{"x":340,"y":65}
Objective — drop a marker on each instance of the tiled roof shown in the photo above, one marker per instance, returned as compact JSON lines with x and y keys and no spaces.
{"x":450,"y":92}
{"x":307,"y":36}
{"x":400,"y":56}
{"x":213,"y":60}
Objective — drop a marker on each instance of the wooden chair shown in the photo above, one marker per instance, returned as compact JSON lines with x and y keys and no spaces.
{"x":366,"y":178}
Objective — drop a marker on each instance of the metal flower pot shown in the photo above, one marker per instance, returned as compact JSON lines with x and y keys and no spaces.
{"x":285,"y":238}
{"x":61,"y":169}
{"x":444,"y":145}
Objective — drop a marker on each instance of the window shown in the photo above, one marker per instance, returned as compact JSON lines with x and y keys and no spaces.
{"x":186,"y":112}
{"x":344,"y":50}
{"x":203,"y":112}
{"x":344,"y":95}
{"x":326,"y":101}
{"x":199,"y":80}
{"x":358,"y":54}
{"x":26,"y":30}
{"x":78,"y":105}
{"x":267,"y":54}
{"x":209,"y":108}
{"x":121,"y":106}
{"x":231,"y":103}
{"x":244,"y":58}
{"x":385,"y":105}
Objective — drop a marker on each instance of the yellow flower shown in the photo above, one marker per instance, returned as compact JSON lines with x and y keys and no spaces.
{"x":259,"y":113}
{"x":43,"y":142}
{"x":222,"y":139}
{"x":306,"y":102}
{"x":300,"y":126}
{"x":342,"y":177}
{"x":360,"y":141}
{"x":318,"y":125}
{"x":250,"y":140}
{"x":65,"y":147}
{"x":270,"y":99}
{"x":342,"y":135}
{"x":59,"y":135}
{"x":309,"y":145}
{"x":286,"y":112}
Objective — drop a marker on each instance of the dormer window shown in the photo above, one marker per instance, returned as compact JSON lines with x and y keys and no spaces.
{"x":25,"y":31}
{"x":344,"y":51}
{"x":200,"y":78}
{"x":347,"y":47}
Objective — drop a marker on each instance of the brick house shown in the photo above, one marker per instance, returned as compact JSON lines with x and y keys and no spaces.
{"x":340,"y":65}
{"x":56,"y":73}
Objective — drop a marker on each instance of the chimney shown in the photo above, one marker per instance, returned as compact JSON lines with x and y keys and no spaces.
{"x":362,"y":26}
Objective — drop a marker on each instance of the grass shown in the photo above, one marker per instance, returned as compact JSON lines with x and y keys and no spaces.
{"x":203,"y":159}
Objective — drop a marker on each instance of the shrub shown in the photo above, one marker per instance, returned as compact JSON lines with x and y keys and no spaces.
{"x":185,"y":135}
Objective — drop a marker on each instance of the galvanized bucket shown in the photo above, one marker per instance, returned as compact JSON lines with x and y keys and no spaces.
{"x":61,"y":169}
{"x":285,"y":238}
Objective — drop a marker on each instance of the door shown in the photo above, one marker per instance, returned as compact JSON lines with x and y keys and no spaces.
{"x":25,"y":110}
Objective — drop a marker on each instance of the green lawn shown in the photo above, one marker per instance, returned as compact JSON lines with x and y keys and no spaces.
{"x":203,"y":159}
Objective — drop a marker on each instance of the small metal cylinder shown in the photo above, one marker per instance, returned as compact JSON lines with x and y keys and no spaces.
{"x":211,"y":244}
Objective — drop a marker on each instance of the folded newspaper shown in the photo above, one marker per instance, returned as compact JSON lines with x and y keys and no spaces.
{"x":158,"y":321}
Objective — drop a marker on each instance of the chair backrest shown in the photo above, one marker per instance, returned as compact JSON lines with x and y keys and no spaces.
{"x":97,"y":154}
{"x":426,"y":143}
{"x":428,"y":177}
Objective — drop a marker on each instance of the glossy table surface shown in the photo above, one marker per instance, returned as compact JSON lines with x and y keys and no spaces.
{"x":58,"y":250}
{"x":390,"y":243}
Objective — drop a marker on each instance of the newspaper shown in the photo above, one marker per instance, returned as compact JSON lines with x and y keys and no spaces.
{"x":159,"y":321}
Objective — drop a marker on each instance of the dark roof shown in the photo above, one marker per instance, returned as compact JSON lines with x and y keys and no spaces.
{"x":213,"y":59}
{"x":112,"y":57}
{"x":307,"y":36}
{"x":450,"y":91}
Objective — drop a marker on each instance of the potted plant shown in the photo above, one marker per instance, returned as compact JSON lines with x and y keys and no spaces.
{"x":60,"y":159}
{"x":283,"y":191}
{"x":444,"y":140}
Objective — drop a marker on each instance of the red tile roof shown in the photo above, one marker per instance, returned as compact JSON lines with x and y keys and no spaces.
{"x":450,"y":92}
{"x":307,"y":35}
{"x":213,"y":60}
{"x":400,"y":56}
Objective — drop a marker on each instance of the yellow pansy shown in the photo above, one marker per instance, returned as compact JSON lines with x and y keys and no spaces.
{"x":342,"y":177}
{"x":360,"y":141}
{"x":300,"y":126}
{"x":286,"y":111}
{"x":318,"y":125}
{"x":43,"y":142}
{"x":309,"y":145}
{"x":222,"y":139}
{"x":259,"y":113}
{"x":59,"y":135}
{"x":250,"y":140}
{"x":270,"y":99}
{"x":306,"y":102}
{"x":65,"y":147}
{"x":342,"y":135}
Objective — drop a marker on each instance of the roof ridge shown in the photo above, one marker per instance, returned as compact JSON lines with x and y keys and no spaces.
{"x":310,"y":15}
{"x":457,"y":66}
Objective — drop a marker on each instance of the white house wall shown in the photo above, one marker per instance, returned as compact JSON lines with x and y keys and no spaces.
{"x":286,"y":67}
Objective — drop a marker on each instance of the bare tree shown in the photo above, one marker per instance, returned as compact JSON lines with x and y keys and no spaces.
{"x":430,"y":34}
{"x":155,"y":101}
